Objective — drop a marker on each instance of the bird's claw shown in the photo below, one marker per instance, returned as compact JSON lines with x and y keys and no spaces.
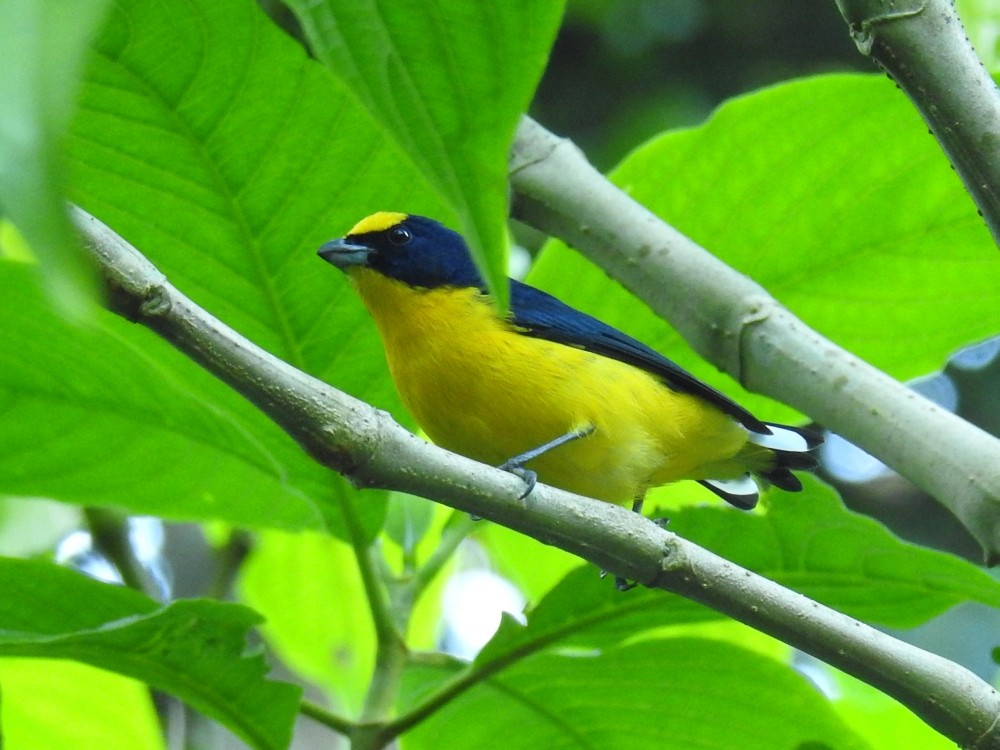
{"x":529,"y":477}
{"x":622,"y":584}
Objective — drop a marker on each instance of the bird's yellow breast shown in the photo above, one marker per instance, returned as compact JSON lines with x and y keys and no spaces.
{"x":480,"y":388}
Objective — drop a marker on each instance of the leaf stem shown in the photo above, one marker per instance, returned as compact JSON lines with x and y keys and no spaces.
{"x":391,"y":652}
{"x":327,"y":718}
{"x":228,"y":562}
{"x":457,"y":528}
{"x":109,"y":533}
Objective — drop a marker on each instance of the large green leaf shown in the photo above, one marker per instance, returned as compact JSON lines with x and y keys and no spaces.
{"x":880,"y":719}
{"x":676,"y":693}
{"x":208,"y":139}
{"x":829,"y":192}
{"x":320,"y":626}
{"x":448,"y":80}
{"x":979,"y":17}
{"x":532,"y":566}
{"x":193,"y":649}
{"x":109,"y":414}
{"x":83,"y":708}
{"x":44,"y":46}
{"x":585,"y":612}
{"x":808,"y":542}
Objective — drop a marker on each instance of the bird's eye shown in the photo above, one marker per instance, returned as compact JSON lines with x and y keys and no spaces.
{"x":400,"y":235}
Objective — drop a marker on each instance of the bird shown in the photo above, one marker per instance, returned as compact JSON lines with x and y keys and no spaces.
{"x":544,"y":390}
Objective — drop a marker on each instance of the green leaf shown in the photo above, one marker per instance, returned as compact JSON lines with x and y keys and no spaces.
{"x":408,"y":519}
{"x":448,"y":80}
{"x":584,"y":612}
{"x":309,"y":589}
{"x":829,"y":192}
{"x":676,"y":693}
{"x":208,"y":139}
{"x":83,"y":708}
{"x":193,"y":649}
{"x":532,"y":566}
{"x":809,"y":542}
{"x":44,"y":46}
{"x":979,"y":18}
{"x":111,"y":415}
{"x":882,"y":721}
{"x":806,"y":541}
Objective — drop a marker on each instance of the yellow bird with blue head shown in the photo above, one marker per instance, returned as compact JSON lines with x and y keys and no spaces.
{"x":547,"y":390}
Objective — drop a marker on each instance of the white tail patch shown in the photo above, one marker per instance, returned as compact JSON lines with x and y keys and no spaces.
{"x":741,"y":492}
{"x":782,"y":439}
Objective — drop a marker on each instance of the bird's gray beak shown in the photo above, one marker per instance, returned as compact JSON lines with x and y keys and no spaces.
{"x":344,"y":254}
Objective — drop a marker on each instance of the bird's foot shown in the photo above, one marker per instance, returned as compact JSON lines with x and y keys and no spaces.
{"x":529,"y":477}
{"x":622,"y":584}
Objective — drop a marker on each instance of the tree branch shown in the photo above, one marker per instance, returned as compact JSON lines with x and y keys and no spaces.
{"x":922,"y":46}
{"x":734,"y":323}
{"x":372,"y":450}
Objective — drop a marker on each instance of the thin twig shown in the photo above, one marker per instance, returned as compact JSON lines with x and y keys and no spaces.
{"x":327,"y":718}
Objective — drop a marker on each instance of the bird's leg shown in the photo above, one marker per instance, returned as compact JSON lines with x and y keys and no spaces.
{"x":623,"y":584}
{"x":516,"y":464}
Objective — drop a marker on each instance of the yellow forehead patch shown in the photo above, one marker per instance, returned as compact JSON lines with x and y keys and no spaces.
{"x":377,"y":222}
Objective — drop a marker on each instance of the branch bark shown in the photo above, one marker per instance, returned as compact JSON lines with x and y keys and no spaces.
{"x":922,"y":46}
{"x":734,"y":323}
{"x":372,"y":450}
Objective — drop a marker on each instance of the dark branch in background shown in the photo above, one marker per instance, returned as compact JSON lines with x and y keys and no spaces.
{"x":372,"y":450}
{"x":735,"y":324}
{"x":109,"y":535}
{"x":922,"y":46}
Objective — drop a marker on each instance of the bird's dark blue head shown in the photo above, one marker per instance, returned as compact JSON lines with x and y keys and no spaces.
{"x":412,"y":249}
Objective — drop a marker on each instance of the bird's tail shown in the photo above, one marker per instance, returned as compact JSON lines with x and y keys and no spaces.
{"x":769,"y":458}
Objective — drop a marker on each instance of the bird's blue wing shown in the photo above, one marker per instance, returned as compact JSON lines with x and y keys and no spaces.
{"x":541,"y":315}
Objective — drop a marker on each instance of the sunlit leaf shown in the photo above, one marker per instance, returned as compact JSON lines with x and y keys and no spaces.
{"x":318,"y":622}
{"x":83,"y":708}
{"x":676,"y":693}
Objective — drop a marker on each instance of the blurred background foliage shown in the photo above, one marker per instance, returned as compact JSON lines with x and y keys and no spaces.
{"x":624,"y":70}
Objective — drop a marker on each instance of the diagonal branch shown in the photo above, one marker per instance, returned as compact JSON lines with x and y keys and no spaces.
{"x":369,"y":448}
{"x":737,"y":325}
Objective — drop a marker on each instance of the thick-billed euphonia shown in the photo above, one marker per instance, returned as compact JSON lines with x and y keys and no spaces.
{"x":546,"y":388}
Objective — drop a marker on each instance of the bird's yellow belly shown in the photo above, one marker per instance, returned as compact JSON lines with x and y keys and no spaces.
{"x":490,"y":393}
{"x":484,"y":409}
